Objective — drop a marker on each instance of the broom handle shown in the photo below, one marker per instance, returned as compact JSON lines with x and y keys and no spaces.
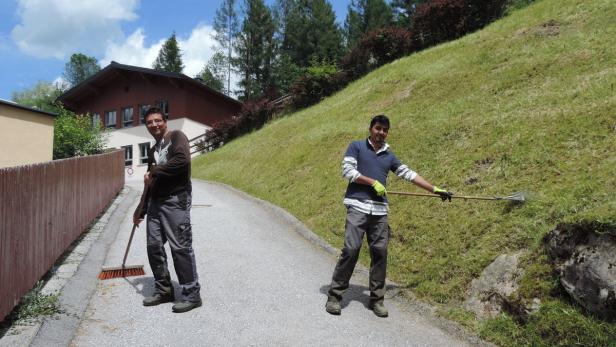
{"x":130,"y":240}
{"x":438,"y":196}
{"x":144,"y":195}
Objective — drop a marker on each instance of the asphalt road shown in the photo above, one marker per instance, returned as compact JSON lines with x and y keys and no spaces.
{"x":263,"y":284}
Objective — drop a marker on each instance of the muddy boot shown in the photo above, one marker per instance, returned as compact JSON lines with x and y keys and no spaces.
{"x":333,"y":305}
{"x":379,"y":309}
{"x":157,"y":299}
{"x":185,"y":306}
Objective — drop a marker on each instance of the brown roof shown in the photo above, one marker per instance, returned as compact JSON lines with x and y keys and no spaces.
{"x":96,"y":81}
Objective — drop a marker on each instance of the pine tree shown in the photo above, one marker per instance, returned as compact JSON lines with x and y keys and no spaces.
{"x":255,"y":49}
{"x":226,"y":27}
{"x":363,"y":17}
{"x":311,"y":32}
{"x":79,"y":68}
{"x":169,"y":58}
{"x":208,"y":78}
{"x":403,"y":11}
{"x":281,"y":11}
{"x":377,"y":14}
{"x":352,"y":26}
{"x":214,"y":72}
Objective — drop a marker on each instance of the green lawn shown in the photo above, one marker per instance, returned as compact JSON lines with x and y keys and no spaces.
{"x":527,"y":104}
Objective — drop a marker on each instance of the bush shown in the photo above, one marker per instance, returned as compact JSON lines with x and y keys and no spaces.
{"x":377,"y":48}
{"x":74,"y":135}
{"x":253,"y":116}
{"x":319,"y":81}
{"x":444,"y":20}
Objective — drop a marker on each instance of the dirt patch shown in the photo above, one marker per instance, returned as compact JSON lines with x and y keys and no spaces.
{"x":485,"y":163}
{"x":547,"y":29}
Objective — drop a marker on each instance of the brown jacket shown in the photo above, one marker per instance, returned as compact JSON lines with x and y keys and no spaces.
{"x":171,"y":174}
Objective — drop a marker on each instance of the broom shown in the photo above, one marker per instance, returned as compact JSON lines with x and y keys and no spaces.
{"x":127,"y":270}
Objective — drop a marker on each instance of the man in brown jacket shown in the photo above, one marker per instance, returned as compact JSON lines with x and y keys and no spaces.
{"x":168,"y":209}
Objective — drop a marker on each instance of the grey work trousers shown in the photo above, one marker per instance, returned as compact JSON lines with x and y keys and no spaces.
{"x":377,"y":233}
{"x":169,"y":220}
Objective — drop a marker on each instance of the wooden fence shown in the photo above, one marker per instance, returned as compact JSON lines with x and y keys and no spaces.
{"x":43,"y":209}
{"x":205,"y":142}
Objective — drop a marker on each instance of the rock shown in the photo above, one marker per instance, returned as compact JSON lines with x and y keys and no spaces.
{"x":534,"y":306}
{"x":489,"y":293}
{"x":584,"y":255}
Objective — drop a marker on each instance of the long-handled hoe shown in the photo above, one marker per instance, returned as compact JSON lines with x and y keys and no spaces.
{"x":126,"y":270}
{"x":517,"y":197}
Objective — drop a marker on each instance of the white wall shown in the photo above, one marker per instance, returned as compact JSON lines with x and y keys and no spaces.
{"x":139,"y":134}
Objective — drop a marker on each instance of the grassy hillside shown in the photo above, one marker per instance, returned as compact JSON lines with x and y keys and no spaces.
{"x":527,"y":104}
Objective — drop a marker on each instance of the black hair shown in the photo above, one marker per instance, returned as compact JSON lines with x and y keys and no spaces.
{"x":381,"y":118}
{"x":154,"y":110}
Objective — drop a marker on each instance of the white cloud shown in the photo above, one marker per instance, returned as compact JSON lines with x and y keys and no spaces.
{"x":196,"y":50}
{"x":132,"y":51}
{"x":61,"y":83}
{"x":57,"y":28}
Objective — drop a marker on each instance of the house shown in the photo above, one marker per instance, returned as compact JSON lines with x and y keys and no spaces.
{"x":118,"y":96}
{"x":27,"y":135}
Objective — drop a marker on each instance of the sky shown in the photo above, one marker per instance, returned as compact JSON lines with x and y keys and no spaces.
{"x":37,"y":37}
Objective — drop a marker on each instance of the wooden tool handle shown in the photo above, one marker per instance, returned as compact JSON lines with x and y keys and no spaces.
{"x":144,"y":196}
{"x":438,"y":196}
{"x":138,"y":212}
{"x":130,"y":240}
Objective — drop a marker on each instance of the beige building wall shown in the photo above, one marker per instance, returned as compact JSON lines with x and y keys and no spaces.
{"x":26,"y":137}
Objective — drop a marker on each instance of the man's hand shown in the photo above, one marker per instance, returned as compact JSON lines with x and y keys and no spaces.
{"x":379,"y":188}
{"x":445,"y":195}
{"x":137,"y":220}
{"x":147,"y":178}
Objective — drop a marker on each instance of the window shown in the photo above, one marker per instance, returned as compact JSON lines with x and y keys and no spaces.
{"x":96,"y":120}
{"x":110,"y":119}
{"x":142,"y":110}
{"x":143,"y":152}
{"x":127,"y":116}
{"x":164,"y":106}
{"x":128,"y":155}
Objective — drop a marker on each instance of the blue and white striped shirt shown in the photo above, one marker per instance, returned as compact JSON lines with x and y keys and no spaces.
{"x":362,"y":159}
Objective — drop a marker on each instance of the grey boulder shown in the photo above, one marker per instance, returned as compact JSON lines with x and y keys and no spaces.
{"x":584,"y":256}
{"x":490,"y":293}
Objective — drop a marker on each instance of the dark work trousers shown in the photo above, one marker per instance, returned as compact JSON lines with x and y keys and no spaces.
{"x":169,"y":220}
{"x":377,"y":232}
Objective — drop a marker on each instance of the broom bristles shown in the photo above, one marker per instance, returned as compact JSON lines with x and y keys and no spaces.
{"x":121,"y":272}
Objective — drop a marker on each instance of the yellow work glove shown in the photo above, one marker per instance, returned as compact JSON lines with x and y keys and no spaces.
{"x":445,"y":195}
{"x":379,"y":188}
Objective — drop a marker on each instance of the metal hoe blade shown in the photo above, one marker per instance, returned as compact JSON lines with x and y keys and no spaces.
{"x":519,"y":196}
